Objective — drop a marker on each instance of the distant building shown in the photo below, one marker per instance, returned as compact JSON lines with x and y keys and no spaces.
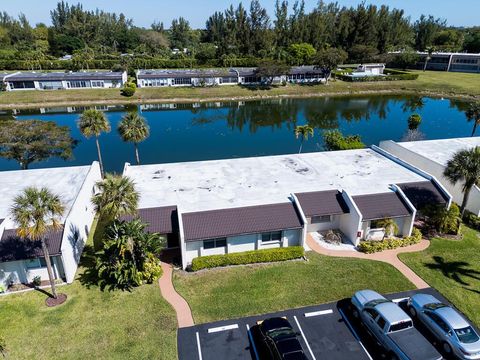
{"x":455,"y":62}
{"x":63,"y":80}
{"x":371,"y":69}
{"x":22,"y":259}
{"x":213,"y":77}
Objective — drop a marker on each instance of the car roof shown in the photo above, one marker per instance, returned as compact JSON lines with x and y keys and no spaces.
{"x":392,"y":312}
{"x":289,"y":345}
{"x":275,"y":323}
{"x":364,"y":296}
{"x":424,"y":299}
{"x":452,"y":317}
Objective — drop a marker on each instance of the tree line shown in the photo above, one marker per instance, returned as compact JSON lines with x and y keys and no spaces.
{"x":292,"y":35}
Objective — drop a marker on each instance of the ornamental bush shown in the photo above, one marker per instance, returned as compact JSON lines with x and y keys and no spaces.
{"x":248,"y":257}
{"x":334,"y":140}
{"x":152,"y":269}
{"x":370,"y":247}
{"x":129,"y":89}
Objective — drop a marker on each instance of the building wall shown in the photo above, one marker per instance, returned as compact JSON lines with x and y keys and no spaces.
{"x":436,"y":170}
{"x":333,"y":224}
{"x":16,"y":272}
{"x":242,"y":243}
{"x":350,"y":224}
{"x":78,"y":224}
{"x":403,"y":223}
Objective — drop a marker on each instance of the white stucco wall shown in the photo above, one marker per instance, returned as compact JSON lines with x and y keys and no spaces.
{"x":350,"y":224}
{"x":333,"y":224}
{"x":78,"y":224}
{"x":435,"y":169}
{"x":242,"y":243}
{"x":17,"y":272}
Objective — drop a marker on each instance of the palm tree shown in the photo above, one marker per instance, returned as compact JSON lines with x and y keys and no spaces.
{"x":92,"y":123}
{"x":37,"y":211}
{"x":117,"y":197}
{"x":473,"y":114}
{"x":430,"y":51}
{"x":133,"y":128}
{"x":302,"y":132}
{"x":390,"y":226}
{"x":464,"y":166}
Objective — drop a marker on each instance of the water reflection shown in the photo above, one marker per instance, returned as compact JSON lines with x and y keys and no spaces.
{"x":214,"y":130}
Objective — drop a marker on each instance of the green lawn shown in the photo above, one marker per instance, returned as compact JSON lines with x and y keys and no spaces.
{"x":239,"y":291}
{"x":91,"y":325}
{"x":429,"y":83}
{"x":453,"y":268}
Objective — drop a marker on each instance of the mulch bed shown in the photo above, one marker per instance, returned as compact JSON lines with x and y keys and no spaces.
{"x":51,"y":302}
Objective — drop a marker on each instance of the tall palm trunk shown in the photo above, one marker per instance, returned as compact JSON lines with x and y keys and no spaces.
{"x":301,"y":146}
{"x":425,"y":65}
{"x":466,"y":195}
{"x":49,"y":268}
{"x":99,"y":156}
{"x":137,"y":156}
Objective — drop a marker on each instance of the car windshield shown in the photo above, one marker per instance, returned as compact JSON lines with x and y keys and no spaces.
{"x":467,"y":335}
{"x":375,"y":302}
{"x":401,"y":326}
{"x":279,"y":333}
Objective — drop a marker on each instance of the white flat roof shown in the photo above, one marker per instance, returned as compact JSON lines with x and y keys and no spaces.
{"x":440,"y":151}
{"x":66,"y":182}
{"x":208,"y":185}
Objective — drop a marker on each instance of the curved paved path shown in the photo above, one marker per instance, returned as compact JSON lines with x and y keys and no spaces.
{"x":184,"y":314}
{"x":387,"y":256}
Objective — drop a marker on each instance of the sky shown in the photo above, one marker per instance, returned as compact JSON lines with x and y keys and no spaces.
{"x":145,"y":12}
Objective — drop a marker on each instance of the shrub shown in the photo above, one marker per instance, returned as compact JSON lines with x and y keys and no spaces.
{"x":248,"y":257}
{"x":37,"y":281}
{"x":370,"y":247}
{"x":334,"y":140}
{"x":152,"y":269}
{"x":2,"y":289}
{"x":443,"y":220}
{"x":391,"y":75}
{"x":471,"y":220}
{"x":129,"y":89}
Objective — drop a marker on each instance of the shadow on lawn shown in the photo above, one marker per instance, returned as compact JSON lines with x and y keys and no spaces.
{"x":454,"y":269}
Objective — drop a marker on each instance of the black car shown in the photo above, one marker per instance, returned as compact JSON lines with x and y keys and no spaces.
{"x":281,"y":340}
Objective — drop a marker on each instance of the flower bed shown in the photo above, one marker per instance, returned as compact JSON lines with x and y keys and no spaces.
{"x":370,"y":247}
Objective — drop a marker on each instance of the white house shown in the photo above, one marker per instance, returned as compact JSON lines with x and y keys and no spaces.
{"x":64,"y":80}
{"x":224,"y":206}
{"x":214,"y":77}
{"x":432,"y":156}
{"x":22,"y":259}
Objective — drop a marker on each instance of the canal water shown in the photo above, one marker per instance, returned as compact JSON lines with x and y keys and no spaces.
{"x":221,"y":130}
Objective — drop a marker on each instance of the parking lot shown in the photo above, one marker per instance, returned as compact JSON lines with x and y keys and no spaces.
{"x":327,"y":331}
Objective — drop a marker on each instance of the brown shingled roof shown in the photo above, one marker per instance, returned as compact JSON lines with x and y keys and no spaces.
{"x":13,"y":248}
{"x":162,"y":220}
{"x":381,"y":206}
{"x":320,"y":203}
{"x":239,"y":221}
{"x":423,"y":193}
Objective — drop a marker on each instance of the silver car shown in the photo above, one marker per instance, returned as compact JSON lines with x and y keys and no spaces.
{"x":456,"y":335}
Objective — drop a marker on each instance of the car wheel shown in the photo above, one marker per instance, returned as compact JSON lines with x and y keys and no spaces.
{"x":447,"y":348}
{"x":412,"y":311}
{"x":392,"y":356}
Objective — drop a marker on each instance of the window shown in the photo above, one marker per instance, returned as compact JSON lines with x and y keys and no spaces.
{"x":467,"y":335}
{"x":182,"y":81}
{"x":438,"y":320}
{"x":35,"y":263}
{"x":272,"y":236}
{"x":78,"y":84}
{"x":214,"y":243}
{"x":401,"y":326}
{"x":372,"y":312}
{"x":321,"y":219}
{"x":381,"y":322}
{"x":98,"y":84}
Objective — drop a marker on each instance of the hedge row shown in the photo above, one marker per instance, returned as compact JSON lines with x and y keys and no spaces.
{"x":135,"y":63}
{"x":392,"y":75}
{"x":248,"y":257}
{"x":370,"y":247}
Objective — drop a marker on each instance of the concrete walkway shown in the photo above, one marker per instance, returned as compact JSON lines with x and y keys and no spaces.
{"x":184,"y":314}
{"x":388,"y":256}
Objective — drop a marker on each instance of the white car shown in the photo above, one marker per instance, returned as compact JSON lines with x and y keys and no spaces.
{"x":456,"y":334}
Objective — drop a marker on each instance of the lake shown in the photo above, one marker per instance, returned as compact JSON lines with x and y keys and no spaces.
{"x":204,"y":131}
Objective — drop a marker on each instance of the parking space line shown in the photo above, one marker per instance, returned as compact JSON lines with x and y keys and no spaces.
{"x":223,"y":328}
{"x":400,"y":299}
{"x":253,"y":343}
{"x":304,"y":338}
{"x":199,"y":347}
{"x":318,"y":313}
{"x":354,"y":333}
